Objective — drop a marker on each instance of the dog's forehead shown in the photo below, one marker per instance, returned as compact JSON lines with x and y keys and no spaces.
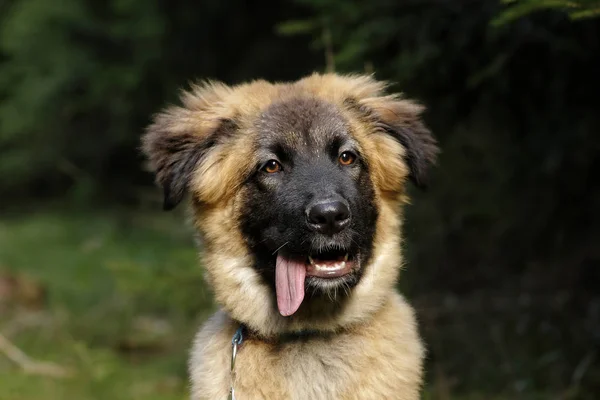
{"x":301,"y":122}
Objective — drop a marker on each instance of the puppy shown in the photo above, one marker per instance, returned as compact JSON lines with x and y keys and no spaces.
{"x":297,"y":192}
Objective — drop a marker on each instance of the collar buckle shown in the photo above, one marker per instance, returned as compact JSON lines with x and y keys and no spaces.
{"x":236,"y":341}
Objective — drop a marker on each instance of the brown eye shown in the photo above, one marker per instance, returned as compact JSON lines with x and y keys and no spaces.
{"x":347,"y":158}
{"x":271,"y":167}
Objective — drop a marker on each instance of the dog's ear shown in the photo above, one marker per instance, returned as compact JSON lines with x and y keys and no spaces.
{"x":402,"y":120}
{"x":180,"y":137}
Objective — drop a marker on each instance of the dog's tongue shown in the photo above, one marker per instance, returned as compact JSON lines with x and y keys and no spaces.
{"x":289,"y":284}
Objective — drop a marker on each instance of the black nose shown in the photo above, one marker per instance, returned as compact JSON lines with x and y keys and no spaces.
{"x":328,"y":217}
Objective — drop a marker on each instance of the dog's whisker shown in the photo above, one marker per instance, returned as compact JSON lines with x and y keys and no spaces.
{"x":346,"y":289}
{"x":280,"y":247}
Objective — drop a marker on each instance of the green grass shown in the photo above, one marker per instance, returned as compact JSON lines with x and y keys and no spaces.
{"x":124,"y":297}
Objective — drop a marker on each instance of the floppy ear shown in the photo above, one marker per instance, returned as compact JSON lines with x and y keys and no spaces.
{"x":402,"y":120}
{"x":179,"y":138}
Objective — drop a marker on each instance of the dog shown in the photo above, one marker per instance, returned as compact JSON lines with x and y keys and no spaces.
{"x":296,"y":191}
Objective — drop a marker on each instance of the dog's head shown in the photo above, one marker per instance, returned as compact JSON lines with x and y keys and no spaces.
{"x":297,"y":191}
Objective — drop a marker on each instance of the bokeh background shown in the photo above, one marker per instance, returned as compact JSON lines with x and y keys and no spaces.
{"x":101,"y":292}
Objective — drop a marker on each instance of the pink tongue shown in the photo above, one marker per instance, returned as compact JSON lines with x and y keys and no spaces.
{"x":289,"y":284}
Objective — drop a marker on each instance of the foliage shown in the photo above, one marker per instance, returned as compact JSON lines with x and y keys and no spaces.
{"x":575,"y":9}
{"x":79,"y":81}
{"x":63,"y":104}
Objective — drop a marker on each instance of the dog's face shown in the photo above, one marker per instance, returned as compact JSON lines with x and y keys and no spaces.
{"x":310,"y":210}
{"x":296,"y":190}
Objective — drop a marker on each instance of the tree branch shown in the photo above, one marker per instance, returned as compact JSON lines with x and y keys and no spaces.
{"x":29,"y":365}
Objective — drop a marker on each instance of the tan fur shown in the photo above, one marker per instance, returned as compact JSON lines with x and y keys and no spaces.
{"x":378,"y":360}
{"x":374,"y":351}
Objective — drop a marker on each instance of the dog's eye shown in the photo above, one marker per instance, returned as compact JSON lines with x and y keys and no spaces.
{"x":347,"y":158}
{"x":272,"y":166}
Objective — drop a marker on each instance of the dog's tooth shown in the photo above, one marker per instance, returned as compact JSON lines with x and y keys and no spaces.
{"x":346,"y":257}
{"x":332,"y":267}
{"x":311,"y":261}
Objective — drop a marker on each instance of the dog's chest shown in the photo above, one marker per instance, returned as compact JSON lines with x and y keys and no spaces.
{"x":379,"y":361}
{"x":303,"y":369}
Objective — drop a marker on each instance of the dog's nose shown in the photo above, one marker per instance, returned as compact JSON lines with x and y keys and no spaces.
{"x":328,"y":217}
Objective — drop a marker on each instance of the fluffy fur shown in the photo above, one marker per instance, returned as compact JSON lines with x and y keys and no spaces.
{"x":367,"y":349}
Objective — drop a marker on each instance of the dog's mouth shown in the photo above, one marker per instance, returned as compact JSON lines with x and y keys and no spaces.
{"x":329,"y":264}
{"x":290,"y":274}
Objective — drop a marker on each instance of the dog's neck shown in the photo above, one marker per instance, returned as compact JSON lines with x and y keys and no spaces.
{"x":245,"y":298}
{"x":284,"y":337}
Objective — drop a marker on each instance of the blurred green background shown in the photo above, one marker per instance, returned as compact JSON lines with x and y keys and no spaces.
{"x":503,"y":249}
